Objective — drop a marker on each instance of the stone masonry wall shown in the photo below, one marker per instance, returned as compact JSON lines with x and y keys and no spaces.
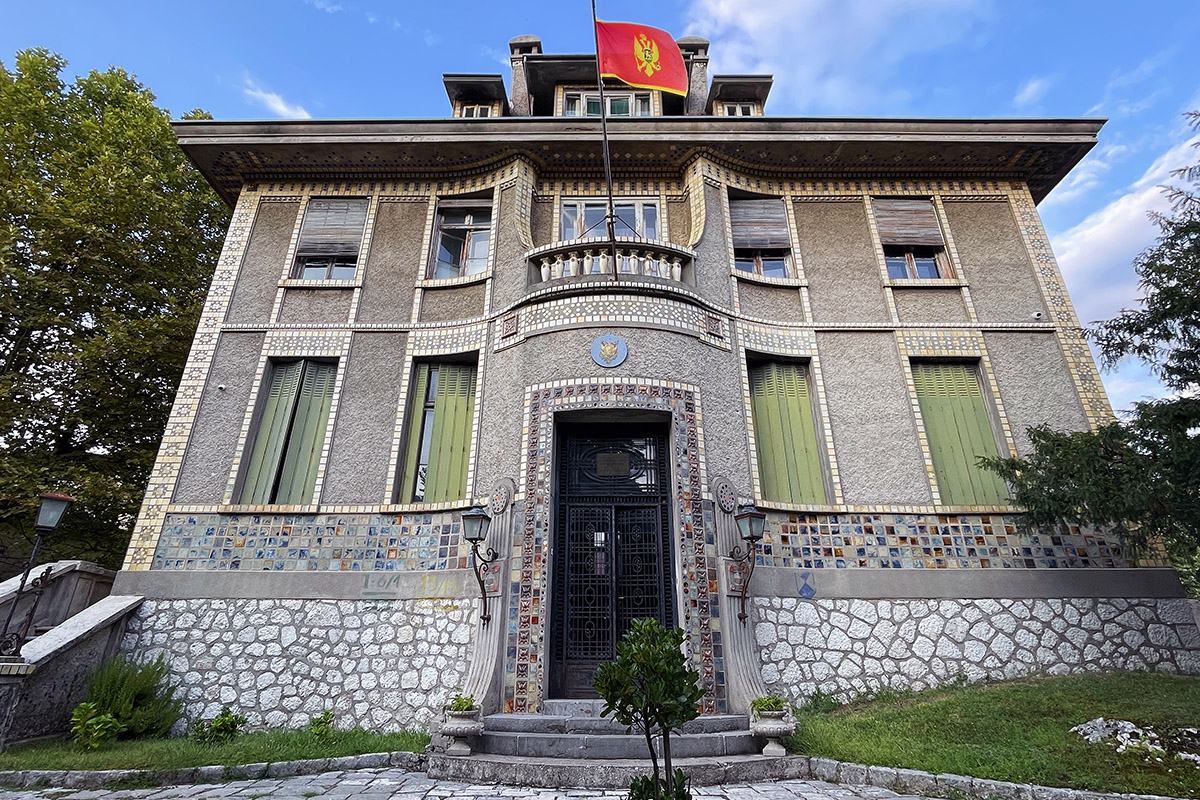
{"x":381,"y":665}
{"x":848,"y":647}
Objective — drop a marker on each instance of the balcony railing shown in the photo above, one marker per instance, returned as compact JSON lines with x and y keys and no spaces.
{"x":580,"y":258}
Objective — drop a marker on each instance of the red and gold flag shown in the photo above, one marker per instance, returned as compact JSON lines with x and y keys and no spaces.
{"x":640,"y":56}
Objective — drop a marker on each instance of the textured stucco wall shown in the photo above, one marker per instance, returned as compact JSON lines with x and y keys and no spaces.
{"x":1035,"y":383}
{"x":850,"y":647}
{"x":511,"y":270}
{"x":393,"y":265}
{"x":679,"y":217}
{"x":994,"y":261}
{"x":542,"y":221}
{"x":262,"y":266}
{"x":459,"y":302}
{"x":652,"y":354}
{"x":316,"y":306}
{"x":878,"y":452}
{"x":209,"y":455}
{"x":930,"y":305}
{"x":770,"y":302}
{"x":385,"y":665}
{"x":712,"y":252}
{"x":362,"y":438}
{"x":839,"y":263}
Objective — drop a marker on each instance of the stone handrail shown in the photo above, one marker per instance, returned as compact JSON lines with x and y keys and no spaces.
{"x":578,"y":258}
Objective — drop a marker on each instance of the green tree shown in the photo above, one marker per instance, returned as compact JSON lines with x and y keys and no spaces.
{"x":108,"y":238}
{"x":1140,"y":474}
{"x":649,"y":686}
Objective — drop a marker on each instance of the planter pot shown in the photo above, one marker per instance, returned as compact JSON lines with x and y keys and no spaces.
{"x":772,"y":726}
{"x":461,"y":726}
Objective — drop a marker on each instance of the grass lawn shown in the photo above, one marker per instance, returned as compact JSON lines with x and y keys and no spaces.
{"x":1016,"y":731}
{"x":179,"y":753}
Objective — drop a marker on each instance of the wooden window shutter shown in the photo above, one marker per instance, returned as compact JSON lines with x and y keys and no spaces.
{"x":298,"y":473}
{"x":789,"y":460}
{"x":907,"y":222}
{"x":759,"y":223}
{"x":959,"y":431}
{"x":450,"y":437}
{"x":332,"y":227}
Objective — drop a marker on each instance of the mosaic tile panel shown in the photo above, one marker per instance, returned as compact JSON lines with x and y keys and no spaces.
{"x":612,"y":309}
{"x":311,"y":542}
{"x":777,"y":340}
{"x":931,"y":541}
{"x":524,"y":676}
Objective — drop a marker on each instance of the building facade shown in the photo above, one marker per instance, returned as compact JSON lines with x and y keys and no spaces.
{"x":829,"y":318}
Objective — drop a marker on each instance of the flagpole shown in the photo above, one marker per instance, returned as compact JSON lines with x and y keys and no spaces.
{"x":610,"y":216}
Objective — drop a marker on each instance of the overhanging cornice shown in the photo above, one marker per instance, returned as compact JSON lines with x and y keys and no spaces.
{"x":1038,"y":151}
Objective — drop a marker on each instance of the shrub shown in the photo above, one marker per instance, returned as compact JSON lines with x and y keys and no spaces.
{"x":462,"y":702}
{"x":321,"y":726}
{"x":137,"y":696}
{"x":649,"y":686}
{"x":224,"y":727}
{"x":91,"y":727}
{"x":771,"y":702}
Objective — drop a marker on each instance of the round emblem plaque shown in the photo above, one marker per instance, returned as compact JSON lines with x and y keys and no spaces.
{"x":726,"y":497}
{"x":609,"y":350}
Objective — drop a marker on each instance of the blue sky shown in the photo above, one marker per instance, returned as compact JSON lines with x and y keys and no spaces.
{"x":1134,"y":63}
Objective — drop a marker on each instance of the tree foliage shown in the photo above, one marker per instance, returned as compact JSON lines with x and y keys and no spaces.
{"x":1140,"y":474}
{"x":108,"y":238}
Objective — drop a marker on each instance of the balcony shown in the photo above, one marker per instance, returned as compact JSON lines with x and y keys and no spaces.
{"x":579,"y":259}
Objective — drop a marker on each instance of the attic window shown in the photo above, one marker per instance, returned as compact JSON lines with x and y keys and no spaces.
{"x":761,"y":241}
{"x":620,"y":104}
{"x":911,"y":237}
{"x":476,"y":110}
{"x":329,"y":238}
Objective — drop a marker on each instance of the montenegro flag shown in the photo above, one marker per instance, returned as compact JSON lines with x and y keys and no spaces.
{"x":640,"y":56}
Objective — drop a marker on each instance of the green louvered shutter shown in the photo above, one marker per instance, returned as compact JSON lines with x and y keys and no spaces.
{"x":298,"y":474}
{"x":272,"y":433}
{"x":789,"y":462}
{"x":412,"y":449}
{"x":958,"y":429}
{"x":454,"y":408}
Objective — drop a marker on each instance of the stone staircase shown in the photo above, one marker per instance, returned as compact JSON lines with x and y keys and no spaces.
{"x":570,"y":745}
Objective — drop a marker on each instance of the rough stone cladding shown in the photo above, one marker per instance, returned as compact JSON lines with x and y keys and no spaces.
{"x":383,"y":664}
{"x":722,"y":323}
{"x":850,"y":647}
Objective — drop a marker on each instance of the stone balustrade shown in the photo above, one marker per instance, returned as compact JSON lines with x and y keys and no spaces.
{"x":583,"y":257}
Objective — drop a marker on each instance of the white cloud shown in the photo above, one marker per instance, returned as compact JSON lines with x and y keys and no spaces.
{"x":273,"y":102}
{"x":830,"y":56}
{"x":1033,"y":91}
{"x":324,"y":5}
{"x":1096,"y":258}
{"x":432,"y":39}
{"x":499,"y":56}
{"x":371,"y":18}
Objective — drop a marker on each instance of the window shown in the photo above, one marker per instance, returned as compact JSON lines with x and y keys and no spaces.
{"x":761,"y":242}
{"x":476,"y":110}
{"x":959,"y":432}
{"x":439,"y":438}
{"x":911,"y":238}
{"x":620,"y":104}
{"x":464,"y":231}
{"x":785,"y":434}
{"x":635,"y":218}
{"x":290,"y":434}
{"x":739,"y":109}
{"x":329,"y":239}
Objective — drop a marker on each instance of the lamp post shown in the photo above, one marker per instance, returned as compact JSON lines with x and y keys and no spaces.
{"x":475,"y":523}
{"x":750,"y":522}
{"x":50,"y":513}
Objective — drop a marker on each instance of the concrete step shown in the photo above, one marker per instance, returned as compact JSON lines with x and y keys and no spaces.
{"x":572,"y":708}
{"x":614,"y":746}
{"x":547,"y":723}
{"x":552,"y":773}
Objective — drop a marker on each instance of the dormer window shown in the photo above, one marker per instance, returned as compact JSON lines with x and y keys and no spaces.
{"x":739,"y":109}
{"x":476,"y":110}
{"x":585,"y":219}
{"x":620,"y":104}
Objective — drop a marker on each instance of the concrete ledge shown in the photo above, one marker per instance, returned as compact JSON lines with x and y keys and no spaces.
{"x":77,"y":628}
{"x":96,"y":779}
{"x":202,"y":584}
{"x":967,"y":584}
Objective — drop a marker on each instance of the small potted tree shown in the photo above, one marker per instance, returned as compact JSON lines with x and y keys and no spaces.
{"x":461,"y":724}
{"x":770,"y":722}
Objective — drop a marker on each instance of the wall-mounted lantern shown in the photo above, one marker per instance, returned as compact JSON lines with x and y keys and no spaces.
{"x":750,"y":523}
{"x":475,"y":522}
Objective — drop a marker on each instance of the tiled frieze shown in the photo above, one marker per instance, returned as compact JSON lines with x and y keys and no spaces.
{"x":694,"y":542}
{"x":618,"y":310}
{"x":311,"y":542}
{"x":933,"y":541}
{"x":187,"y":399}
{"x":777,"y":340}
